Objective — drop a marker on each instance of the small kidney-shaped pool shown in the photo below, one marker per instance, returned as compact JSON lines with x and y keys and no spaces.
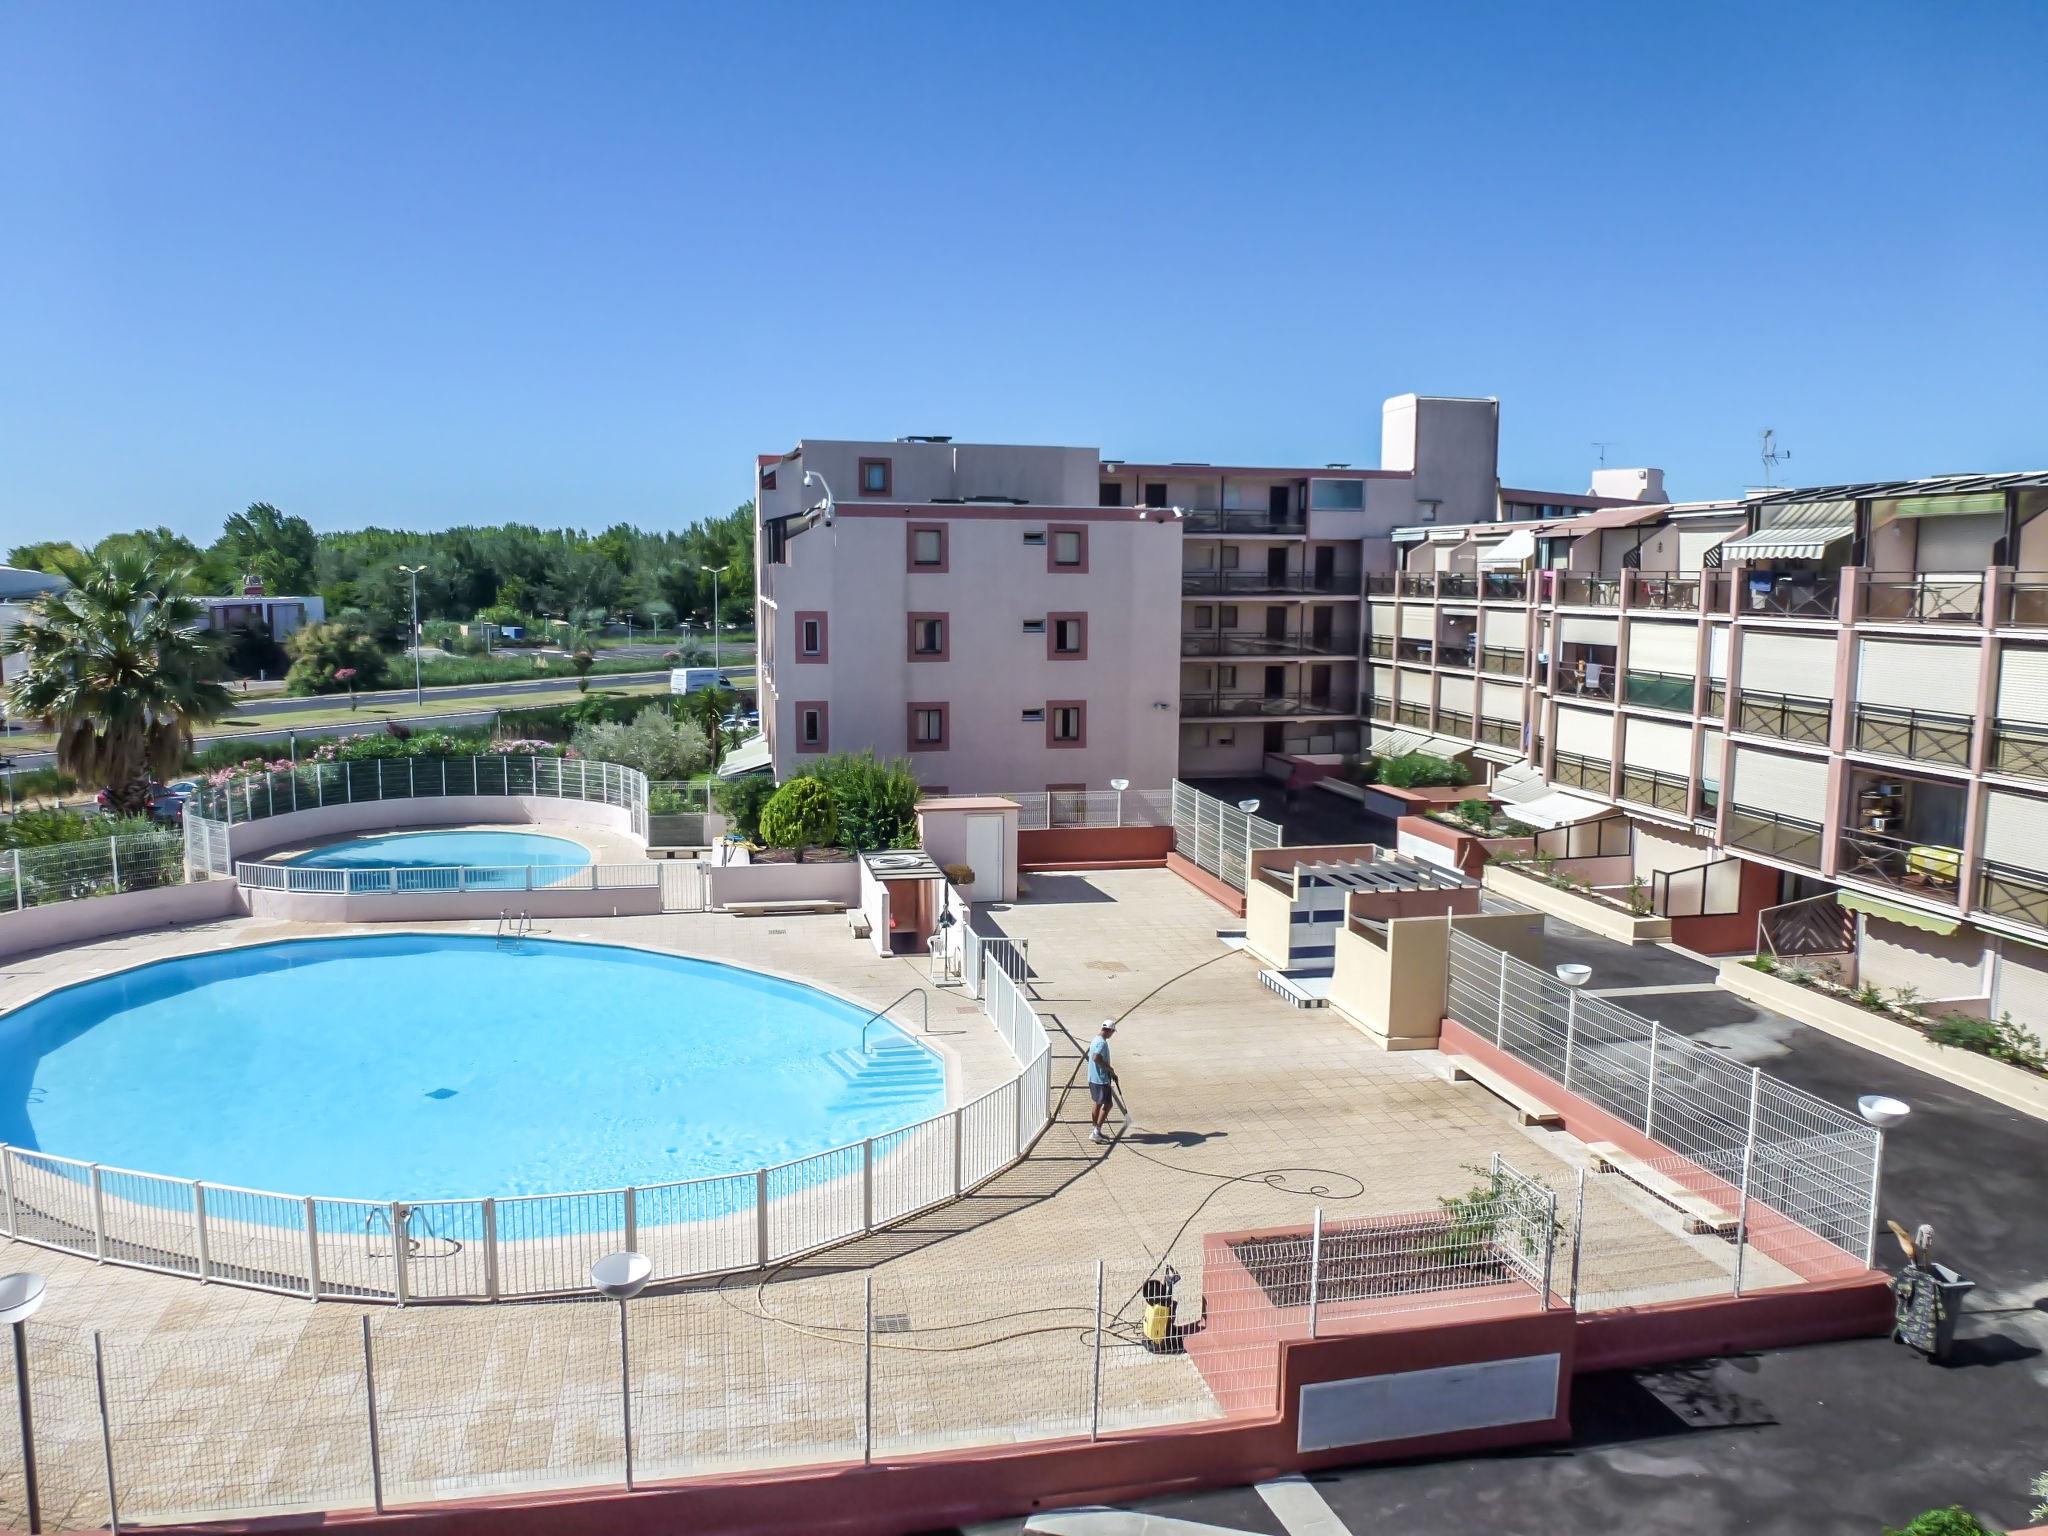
{"x":417,"y":1067}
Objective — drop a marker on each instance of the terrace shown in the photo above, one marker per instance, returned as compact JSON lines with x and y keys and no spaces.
{"x":1903,"y":833}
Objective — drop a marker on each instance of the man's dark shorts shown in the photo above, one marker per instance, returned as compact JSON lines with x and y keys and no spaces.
{"x":1099,"y":1092}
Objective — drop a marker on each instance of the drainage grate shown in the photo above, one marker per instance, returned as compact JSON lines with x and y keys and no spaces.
{"x":773,"y":931}
{"x":441,"y":1093}
{"x":892,"y":1322}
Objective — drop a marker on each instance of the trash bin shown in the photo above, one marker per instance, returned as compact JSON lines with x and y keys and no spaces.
{"x":1927,"y":1299}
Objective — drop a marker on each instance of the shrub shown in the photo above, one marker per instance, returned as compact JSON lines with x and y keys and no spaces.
{"x":1421,"y":770}
{"x":740,"y":800}
{"x":876,"y":799}
{"x":1953,"y":1521}
{"x":800,"y":815}
{"x":2000,"y":1039}
{"x":1639,"y":901}
{"x":324,"y":654}
{"x":960,"y":874}
{"x":1478,"y":813}
{"x":655,"y":742}
{"x":41,"y":829}
{"x":43,"y":781}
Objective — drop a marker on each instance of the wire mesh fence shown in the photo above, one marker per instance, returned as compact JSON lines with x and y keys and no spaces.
{"x":100,"y":866}
{"x":1218,"y":837}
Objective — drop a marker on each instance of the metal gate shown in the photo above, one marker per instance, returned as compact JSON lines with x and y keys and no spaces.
{"x":684,"y":886}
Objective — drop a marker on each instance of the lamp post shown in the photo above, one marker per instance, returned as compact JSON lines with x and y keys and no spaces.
{"x":622,"y":1276}
{"x":20,"y":1295}
{"x":1119,"y":785}
{"x":1250,"y":809}
{"x":714,"y":570}
{"x":413,"y":571}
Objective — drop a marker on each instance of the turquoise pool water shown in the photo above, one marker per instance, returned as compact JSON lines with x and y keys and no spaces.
{"x":445,"y":850}
{"x":423,"y":1067}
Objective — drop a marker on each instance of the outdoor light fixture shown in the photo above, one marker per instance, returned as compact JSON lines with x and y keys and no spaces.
{"x":622,"y":1276}
{"x":1882,"y":1110}
{"x":20,"y":1296}
{"x":828,"y":506}
{"x":1119,"y":785}
{"x":1248,"y":806}
{"x":714,"y":570}
{"x":414,"y":572}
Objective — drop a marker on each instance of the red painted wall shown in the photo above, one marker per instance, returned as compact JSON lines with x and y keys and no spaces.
{"x":1736,"y":933}
{"x":1216,"y":890}
{"x":1082,"y":846}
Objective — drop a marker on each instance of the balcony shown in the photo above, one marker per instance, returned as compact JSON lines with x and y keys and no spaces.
{"x":1285,"y":583}
{"x":1778,"y":837}
{"x":1596,"y":682}
{"x":1911,"y":599}
{"x":1785,"y":716}
{"x":1378,"y":708}
{"x":1452,"y":654}
{"x":1900,"y":861}
{"x":1231,"y":706}
{"x":2017,"y":895}
{"x":1658,"y":690}
{"x":2019,"y":749}
{"x":1659,"y":791}
{"x":1452,"y":722}
{"x":1381,"y":583}
{"x":1582,"y":773}
{"x":1717,"y":698}
{"x":1504,"y":661}
{"x":1248,"y":520}
{"x":2023,"y":604}
{"x":1418,"y":584}
{"x":1589,"y":591}
{"x":1406,"y":713}
{"x":1381,"y":647}
{"x":1422,"y":651}
{"x":1502,"y":733}
{"x":1791,"y":595}
{"x":1457,"y":584}
{"x":1919,"y":734}
{"x":1235,"y":642}
{"x":1678,"y":594}
{"x":1504,"y":587}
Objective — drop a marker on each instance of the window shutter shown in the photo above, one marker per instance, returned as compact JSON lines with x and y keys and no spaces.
{"x":1717,"y":652}
{"x":1454,"y":693}
{"x":1580,"y":631}
{"x":2015,"y":829}
{"x":1796,"y":664}
{"x":1710,"y":758}
{"x":1670,"y":648}
{"x":1418,"y":622}
{"x":1500,"y":701}
{"x":1503,"y":626}
{"x":1383,"y":618}
{"x":1787,"y":786}
{"x":2023,"y":685}
{"x":1905,"y":675}
{"x":1657,"y":744}
{"x":1584,"y":734}
{"x":1383,"y":682}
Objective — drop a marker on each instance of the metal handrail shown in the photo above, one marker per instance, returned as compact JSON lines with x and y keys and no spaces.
{"x":924,"y":1003}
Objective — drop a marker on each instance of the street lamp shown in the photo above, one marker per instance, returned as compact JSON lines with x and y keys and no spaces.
{"x":20,"y":1295}
{"x":714,"y":570}
{"x":414,"y":572}
{"x":1250,"y":809}
{"x":622,"y":1276}
{"x":827,"y":506}
{"x":1119,"y":785}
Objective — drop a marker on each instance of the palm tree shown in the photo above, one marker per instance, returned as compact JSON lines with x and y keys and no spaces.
{"x":118,"y":664}
{"x":709,"y":707}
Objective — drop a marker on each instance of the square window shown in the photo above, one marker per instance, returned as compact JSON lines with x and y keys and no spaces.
{"x":1067,"y":636}
{"x":1069,"y":548}
{"x":1066,"y":723}
{"x":874,"y":477}
{"x":928,"y":636}
{"x":928,"y":727}
{"x":1205,"y":616}
{"x":1226,"y":677}
{"x":1155,"y":493}
{"x":1229,"y":616}
{"x":813,"y":725}
{"x":1111,"y":494}
{"x":1231,"y":555}
{"x":928,"y":549}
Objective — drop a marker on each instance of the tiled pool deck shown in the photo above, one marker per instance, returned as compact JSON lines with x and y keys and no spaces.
{"x":1246,"y":1114}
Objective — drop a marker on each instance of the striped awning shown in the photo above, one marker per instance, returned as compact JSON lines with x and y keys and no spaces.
{"x":1802,"y":530}
{"x":1911,"y":917}
{"x":1512,"y":550}
{"x":1490,"y":752}
{"x":1397,"y":743}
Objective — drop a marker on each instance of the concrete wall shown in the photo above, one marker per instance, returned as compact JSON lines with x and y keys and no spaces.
{"x":449,"y":906}
{"x":65,"y":923}
{"x":293,"y":829}
{"x":1452,"y":446}
{"x":1394,"y":989}
{"x":1268,"y":923}
{"x":943,"y":832}
{"x":785,"y":882}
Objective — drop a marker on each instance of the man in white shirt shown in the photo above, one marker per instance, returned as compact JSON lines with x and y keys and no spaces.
{"x":1101,"y":1077}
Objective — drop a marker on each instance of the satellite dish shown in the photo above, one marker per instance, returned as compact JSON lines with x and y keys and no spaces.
{"x":20,"y":1295}
{"x":622,"y":1274}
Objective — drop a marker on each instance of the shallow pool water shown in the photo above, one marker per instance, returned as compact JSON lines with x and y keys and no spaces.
{"x":418,"y":1066}
{"x":446,"y":850}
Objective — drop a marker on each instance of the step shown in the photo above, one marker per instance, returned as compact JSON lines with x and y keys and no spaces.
{"x":1701,"y":1214}
{"x":1532,"y":1109}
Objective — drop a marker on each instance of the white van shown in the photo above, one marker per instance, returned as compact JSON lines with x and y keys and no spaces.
{"x":690,"y":679}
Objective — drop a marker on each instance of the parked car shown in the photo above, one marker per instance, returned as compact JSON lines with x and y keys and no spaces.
{"x":690,"y":679}
{"x":166,"y":802}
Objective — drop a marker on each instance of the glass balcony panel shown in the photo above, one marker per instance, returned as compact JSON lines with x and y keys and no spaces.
{"x":1659,"y":690}
{"x":1914,"y":733}
{"x":1503,"y":661}
{"x":2017,"y":895}
{"x":1590,"y":591}
{"x":1676,"y":593}
{"x":1916,"y":599}
{"x":2020,"y":749}
{"x":1902,"y":862}
{"x":1786,"y":716}
{"x":1778,"y":837}
{"x":1792,"y":594}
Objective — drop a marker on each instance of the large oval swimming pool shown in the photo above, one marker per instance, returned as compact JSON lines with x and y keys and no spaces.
{"x":429,"y":1066}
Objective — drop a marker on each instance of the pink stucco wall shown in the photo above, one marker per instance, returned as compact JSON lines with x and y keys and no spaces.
{"x":65,"y":923}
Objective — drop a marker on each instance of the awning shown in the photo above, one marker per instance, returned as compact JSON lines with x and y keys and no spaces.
{"x":1397,"y":743}
{"x":1870,"y":906}
{"x":1558,"y":809}
{"x":1445,"y":746}
{"x":1512,"y":550}
{"x":1449,"y":535}
{"x":1523,"y":782}
{"x":750,"y":756}
{"x":1802,"y":530}
{"x":1945,"y":506}
{"x":1488,"y":752}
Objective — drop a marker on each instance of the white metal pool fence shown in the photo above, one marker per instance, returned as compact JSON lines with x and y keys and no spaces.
{"x":1798,"y":1155}
{"x":1043,"y":810}
{"x":1216,"y":836}
{"x":535,"y":1245}
{"x":341,"y":880}
{"x":100,"y":866}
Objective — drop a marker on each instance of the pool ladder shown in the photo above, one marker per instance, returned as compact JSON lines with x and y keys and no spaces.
{"x":512,"y":927}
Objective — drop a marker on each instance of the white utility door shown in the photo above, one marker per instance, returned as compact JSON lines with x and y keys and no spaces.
{"x":985,"y":856}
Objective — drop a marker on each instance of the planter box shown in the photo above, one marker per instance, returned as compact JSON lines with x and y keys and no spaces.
{"x":2014,"y":1087}
{"x":1594,"y":916}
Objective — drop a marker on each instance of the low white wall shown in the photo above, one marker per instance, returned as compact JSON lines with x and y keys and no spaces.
{"x":65,"y":923}
{"x":251,"y":839}
{"x":449,"y":906}
{"x":784,"y":882}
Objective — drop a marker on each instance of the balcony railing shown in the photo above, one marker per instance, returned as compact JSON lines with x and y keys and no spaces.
{"x":1378,"y":708}
{"x":1677,"y":593}
{"x":1589,"y":591}
{"x":1460,"y":656}
{"x":1503,"y":661}
{"x":1916,"y":733}
{"x":1913,"y":599}
{"x":1658,"y":690}
{"x":1591,"y":684}
{"x":1582,"y":772}
{"x":1453,"y":722}
{"x":1231,"y":583}
{"x":1457,"y":584}
{"x":1381,"y":583}
{"x":1414,"y":650}
{"x":1710,"y":798}
{"x":1382,"y":647}
{"x":1248,"y":520}
{"x":1717,"y":589}
{"x":1411,"y":714}
{"x":1418,"y":583}
{"x":1903,"y":862}
{"x":1786,"y":716}
{"x":2017,"y":748}
{"x":1717,"y":698}
{"x":1232,"y":642}
{"x":2016,"y":894}
{"x":1795,"y":595}
{"x":1659,"y":791}
{"x":1505,"y":733}
{"x":1230,"y":705}
{"x":1504,"y":586}
{"x":2024,"y":604}
{"x":1779,"y":837}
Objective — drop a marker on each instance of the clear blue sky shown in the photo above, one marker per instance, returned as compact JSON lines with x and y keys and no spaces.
{"x":417,"y":264}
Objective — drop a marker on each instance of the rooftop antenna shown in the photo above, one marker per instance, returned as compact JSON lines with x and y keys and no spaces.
{"x":1773,"y":456}
{"x":1601,"y":449}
